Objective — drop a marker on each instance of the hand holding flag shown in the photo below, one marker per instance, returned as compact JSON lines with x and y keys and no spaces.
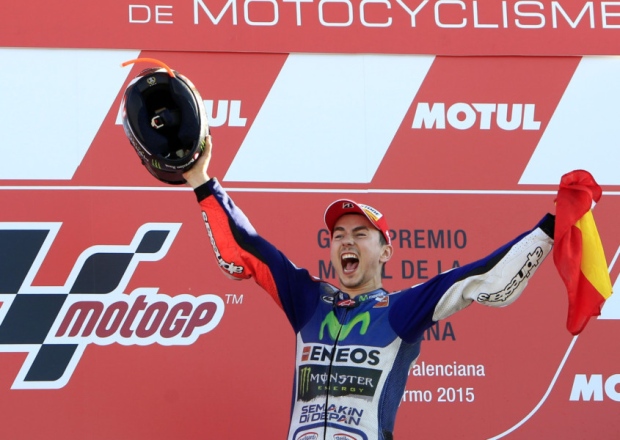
{"x":578,"y":252}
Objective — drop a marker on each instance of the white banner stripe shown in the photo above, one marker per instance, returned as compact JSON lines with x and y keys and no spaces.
{"x":55,"y":101}
{"x":329,"y":118}
{"x":296,"y":190}
{"x":584,"y":131}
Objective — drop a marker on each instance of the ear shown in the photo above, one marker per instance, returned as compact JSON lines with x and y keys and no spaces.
{"x":386,"y":253}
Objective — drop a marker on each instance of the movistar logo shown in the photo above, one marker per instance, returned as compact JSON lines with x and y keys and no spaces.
{"x":341,"y":331}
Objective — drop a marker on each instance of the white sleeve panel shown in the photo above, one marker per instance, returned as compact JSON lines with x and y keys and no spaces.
{"x":504,"y":283}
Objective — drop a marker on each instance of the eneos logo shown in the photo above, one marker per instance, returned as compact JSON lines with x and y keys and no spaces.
{"x":54,"y":324}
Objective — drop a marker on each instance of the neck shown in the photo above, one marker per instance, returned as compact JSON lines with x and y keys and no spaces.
{"x":359,"y":290}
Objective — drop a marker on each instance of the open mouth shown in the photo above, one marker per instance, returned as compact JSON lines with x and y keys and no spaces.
{"x":349,"y":262}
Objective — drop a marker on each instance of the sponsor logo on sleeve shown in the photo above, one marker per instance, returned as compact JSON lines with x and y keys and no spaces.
{"x":533,"y":260}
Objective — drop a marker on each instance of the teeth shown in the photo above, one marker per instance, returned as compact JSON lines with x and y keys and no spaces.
{"x":349,"y":267}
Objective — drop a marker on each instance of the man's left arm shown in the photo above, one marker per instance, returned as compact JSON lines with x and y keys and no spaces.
{"x":496,"y":280}
{"x":499,"y":279}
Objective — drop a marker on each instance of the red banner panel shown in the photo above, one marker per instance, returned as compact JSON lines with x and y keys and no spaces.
{"x":115,"y":320}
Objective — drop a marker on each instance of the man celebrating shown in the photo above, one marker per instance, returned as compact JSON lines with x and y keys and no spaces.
{"x":356,"y":341}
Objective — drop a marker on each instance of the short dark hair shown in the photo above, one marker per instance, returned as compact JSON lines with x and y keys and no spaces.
{"x":382,"y":239}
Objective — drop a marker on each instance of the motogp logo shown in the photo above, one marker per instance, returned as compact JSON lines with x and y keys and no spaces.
{"x":55,"y":324}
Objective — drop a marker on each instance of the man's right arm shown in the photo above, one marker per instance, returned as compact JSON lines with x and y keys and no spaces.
{"x":241,"y":253}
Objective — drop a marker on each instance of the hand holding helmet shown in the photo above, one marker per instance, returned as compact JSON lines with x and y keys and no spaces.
{"x":165,"y":121}
{"x":198,"y":173}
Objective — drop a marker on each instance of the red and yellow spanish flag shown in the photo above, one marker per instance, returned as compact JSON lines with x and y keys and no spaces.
{"x":578,"y":252}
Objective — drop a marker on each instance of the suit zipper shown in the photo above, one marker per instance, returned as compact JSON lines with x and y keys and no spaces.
{"x":329,"y":372}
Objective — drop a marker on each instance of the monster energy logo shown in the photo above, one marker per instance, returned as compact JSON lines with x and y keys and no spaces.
{"x":341,"y":331}
{"x":320,"y":380}
{"x":155,"y":164}
{"x":304,"y":380}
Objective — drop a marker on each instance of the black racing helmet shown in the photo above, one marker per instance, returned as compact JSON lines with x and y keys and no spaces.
{"x":165,"y":121}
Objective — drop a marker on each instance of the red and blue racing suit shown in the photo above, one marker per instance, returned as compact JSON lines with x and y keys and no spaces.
{"x":353,"y":354}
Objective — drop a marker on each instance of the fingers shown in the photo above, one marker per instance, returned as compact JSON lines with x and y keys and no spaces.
{"x":198,"y":174}
{"x":208,"y":147}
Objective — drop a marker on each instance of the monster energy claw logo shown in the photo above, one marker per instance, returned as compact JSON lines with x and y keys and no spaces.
{"x":341,"y":331}
{"x":304,"y":380}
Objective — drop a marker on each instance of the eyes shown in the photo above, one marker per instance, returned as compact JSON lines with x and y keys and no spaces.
{"x":356,"y":234}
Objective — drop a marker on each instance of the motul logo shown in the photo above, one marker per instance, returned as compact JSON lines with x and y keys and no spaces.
{"x":484,"y":116}
{"x":595,"y":388}
{"x":54,"y":324}
{"x":224,"y":113}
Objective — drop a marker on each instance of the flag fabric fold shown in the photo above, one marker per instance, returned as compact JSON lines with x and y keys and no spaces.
{"x":578,"y":251}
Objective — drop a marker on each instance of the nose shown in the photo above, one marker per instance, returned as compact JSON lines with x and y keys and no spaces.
{"x":347,"y":239}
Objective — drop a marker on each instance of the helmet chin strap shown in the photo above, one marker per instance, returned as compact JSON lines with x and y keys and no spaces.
{"x":165,"y":118}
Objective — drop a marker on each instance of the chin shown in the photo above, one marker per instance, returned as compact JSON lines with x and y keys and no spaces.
{"x":350,"y":283}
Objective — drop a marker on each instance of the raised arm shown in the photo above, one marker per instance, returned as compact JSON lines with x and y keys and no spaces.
{"x":496,"y":280}
{"x":241,"y":253}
